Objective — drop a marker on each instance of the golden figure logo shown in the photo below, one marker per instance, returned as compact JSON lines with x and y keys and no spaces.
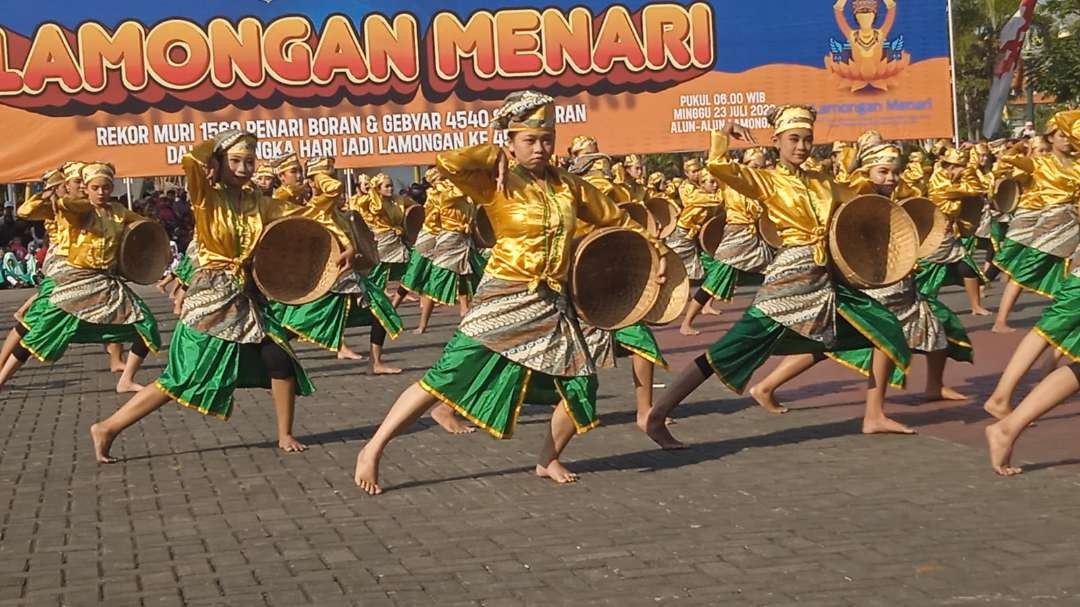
{"x":867,"y":59}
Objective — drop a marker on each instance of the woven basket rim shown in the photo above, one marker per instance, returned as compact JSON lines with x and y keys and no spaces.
{"x":897,"y":270}
{"x":148,"y":275}
{"x":647,"y":298}
{"x":936,"y":236}
{"x":1015,"y":199}
{"x":328,"y":274}
{"x":674,"y":293}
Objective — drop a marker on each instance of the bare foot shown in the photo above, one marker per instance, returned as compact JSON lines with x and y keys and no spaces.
{"x":885,"y":425}
{"x":658,"y":431}
{"x":556,"y":472}
{"x":980,"y":311}
{"x":367,"y":472}
{"x":710,"y":311}
{"x":102,"y":442}
{"x":688,"y":330}
{"x":1002,"y":328}
{"x":1000,"y":451}
{"x":643,"y":422}
{"x":997,"y":407}
{"x":178,"y":306}
{"x":347,"y":354}
{"x":116,"y":368}
{"x":446,"y":419}
{"x":124,"y":386}
{"x":381,"y":369}
{"x":767,"y":400}
{"x":419,"y":330}
{"x":943,"y":393}
{"x":289,"y":444}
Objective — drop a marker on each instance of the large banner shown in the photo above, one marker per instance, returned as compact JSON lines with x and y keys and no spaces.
{"x":380,"y":84}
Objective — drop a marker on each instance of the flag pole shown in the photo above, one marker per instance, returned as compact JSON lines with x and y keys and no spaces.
{"x":952,"y":75}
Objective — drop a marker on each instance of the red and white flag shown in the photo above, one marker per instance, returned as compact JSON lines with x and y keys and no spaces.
{"x":1010,"y":43}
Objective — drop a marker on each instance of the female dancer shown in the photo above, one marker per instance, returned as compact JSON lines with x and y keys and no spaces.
{"x":88,"y":303}
{"x":520,"y":342}
{"x":418,"y":271}
{"x":224,"y":340}
{"x":350,"y":303}
{"x":742,"y":255}
{"x":800,"y":309}
{"x":385,"y":215}
{"x":952,"y":182}
{"x":701,"y":201}
{"x":1043,"y":233}
{"x":931,"y":327}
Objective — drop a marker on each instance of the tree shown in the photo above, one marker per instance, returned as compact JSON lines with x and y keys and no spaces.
{"x":1054,"y":66}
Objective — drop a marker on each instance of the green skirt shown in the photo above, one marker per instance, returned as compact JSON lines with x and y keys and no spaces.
{"x":323,"y":321}
{"x":1060,"y":321}
{"x":204,"y":370}
{"x":708,"y":262}
{"x":416,"y":272}
{"x":861,"y":323}
{"x":445,"y":286}
{"x":1030,"y":268}
{"x":52,"y":330}
{"x":958,"y":346}
{"x":40,"y":304}
{"x":639,"y":340}
{"x":721,"y":280}
{"x":185,"y":269}
{"x":931,"y":277}
{"x":489,"y":390}
{"x":385,"y":272}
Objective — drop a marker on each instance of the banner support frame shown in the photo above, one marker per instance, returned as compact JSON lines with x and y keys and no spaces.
{"x":952,"y":74}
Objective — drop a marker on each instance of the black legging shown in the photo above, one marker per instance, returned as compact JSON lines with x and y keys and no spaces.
{"x":702,"y":296}
{"x":278,"y":363}
{"x":139,"y":348}
{"x":965,"y":271}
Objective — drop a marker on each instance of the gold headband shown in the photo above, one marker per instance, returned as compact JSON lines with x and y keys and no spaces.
{"x":235,"y":142}
{"x":882,"y":154}
{"x":581,"y":143}
{"x":432,"y":175}
{"x":380,"y":179}
{"x":97,"y":170}
{"x":955,"y":156}
{"x":286,"y":162}
{"x":632,"y":159}
{"x":72,"y":170}
{"x":263,"y":170}
{"x":526,"y":111}
{"x":590,"y":163}
{"x":790,"y":117}
{"x":320,"y":166}
{"x":656,"y":178}
{"x":53,"y":178}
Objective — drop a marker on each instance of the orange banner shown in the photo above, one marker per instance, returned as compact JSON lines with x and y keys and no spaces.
{"x":379,"y":90}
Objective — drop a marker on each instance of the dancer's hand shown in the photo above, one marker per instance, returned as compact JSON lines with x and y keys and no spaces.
{"x":345,"y":260}
{"x":661,"y":271}
{"x":738,"y":131}
{"x":502,"y":165}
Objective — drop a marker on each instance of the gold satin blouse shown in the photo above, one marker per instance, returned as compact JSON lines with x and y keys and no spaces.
{"x":456,"y":211}
{"x":35,"y":208}
{"x":382,"y":213}
{"x":228,"y":223}
{"x":699,"y":207}
{"x":535,"y":220}
{"x":947,"y":194}
{"x":1052,"y":183}
{"x":799,"y":202}
{"x":94,"y":231}
{"x":739,"y":209}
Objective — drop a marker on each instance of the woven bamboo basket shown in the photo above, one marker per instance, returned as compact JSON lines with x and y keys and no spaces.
{"x":367,"y":250}
{"x":674,"y":293}
{"x":970,"y":216}
{"x":483,"y":232}
{"x":144,"y":252}
{"x":665,"y":213}
{"x":295,"y":260}
{"x":613,"y":281}
{"x":711,"y":234}
{"x":414,"y":221}
{"x":874,"y":242}
{"x":930,"y":223}
{"x":1006,"y":195}
{"x":769,"y":232}
{"x":641,"y":216}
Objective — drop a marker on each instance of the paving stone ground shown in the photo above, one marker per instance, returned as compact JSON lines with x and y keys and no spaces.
{"x":792,"y":510}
